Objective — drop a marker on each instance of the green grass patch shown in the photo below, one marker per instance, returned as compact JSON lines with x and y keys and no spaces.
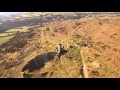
{"x":6,"y":39}
{"x":9,"y":34}
{"x":18,"y":29}
{"x":5,"y":34}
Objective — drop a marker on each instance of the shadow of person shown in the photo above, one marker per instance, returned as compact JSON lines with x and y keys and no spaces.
{"x":39,"y":62}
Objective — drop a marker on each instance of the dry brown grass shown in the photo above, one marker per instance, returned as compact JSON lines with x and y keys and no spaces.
{"x":102,"y":57}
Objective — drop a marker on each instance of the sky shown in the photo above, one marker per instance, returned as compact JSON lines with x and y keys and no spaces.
{"x":9,"y":13}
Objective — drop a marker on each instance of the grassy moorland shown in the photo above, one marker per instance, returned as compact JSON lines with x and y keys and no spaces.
{"x":33,"y":54}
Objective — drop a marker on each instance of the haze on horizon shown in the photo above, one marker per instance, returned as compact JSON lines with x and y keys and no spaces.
{"x":9,"y":13}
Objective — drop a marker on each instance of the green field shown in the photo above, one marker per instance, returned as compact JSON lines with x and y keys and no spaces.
{"x":20,"y":29}
{"x":5,"y":39}
{"x":9,"y":34}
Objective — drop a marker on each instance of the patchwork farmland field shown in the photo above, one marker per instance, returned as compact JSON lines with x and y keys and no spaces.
{"x":9,"y":34}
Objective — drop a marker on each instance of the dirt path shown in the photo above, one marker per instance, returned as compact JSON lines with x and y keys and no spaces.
{"x":85,"y":72}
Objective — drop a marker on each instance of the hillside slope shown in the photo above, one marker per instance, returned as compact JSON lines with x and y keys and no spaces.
{"x":34,"y":55}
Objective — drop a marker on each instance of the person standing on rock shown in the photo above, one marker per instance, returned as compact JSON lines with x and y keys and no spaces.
{"x":60,"y":49}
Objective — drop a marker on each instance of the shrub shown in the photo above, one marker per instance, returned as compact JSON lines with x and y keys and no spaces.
{"x":77,"y":23}
{"x":114,"y":49}
{"x":47,"y":29}
{"x":46,"y":42}
{"x":8,"y":65}
{"x":100,"y":23}
{"x":77,"y":36}
{"x":95,"y":73}
{"x":96,"y":55}
{"x":83,"y":43}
